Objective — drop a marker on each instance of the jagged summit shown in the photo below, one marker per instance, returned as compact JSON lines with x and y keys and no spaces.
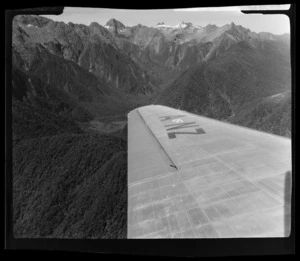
{"x":184,"y":25}
{"x":181,"y":25}
{"x":211,"y":27}
{"x":115,"y":24}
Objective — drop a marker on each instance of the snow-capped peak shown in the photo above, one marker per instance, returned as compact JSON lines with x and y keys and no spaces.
{"x":181,"y":25}
{"x":162,"y":24}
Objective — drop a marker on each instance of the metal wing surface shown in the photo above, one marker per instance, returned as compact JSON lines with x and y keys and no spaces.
{"x":192,"y":176}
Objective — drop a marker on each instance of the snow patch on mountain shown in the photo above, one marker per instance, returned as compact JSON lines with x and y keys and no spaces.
{"x":182,"y":25}
{"x":162,"y":24}
{"x":31,"y":25}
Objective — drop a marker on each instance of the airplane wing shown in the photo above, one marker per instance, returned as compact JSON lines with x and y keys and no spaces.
{"x":192,"y":176}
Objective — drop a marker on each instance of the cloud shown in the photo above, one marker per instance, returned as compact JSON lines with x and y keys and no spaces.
{"x":234,"y":8}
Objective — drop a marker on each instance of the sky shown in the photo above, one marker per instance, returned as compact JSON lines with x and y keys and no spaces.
{"x":276,"y":24}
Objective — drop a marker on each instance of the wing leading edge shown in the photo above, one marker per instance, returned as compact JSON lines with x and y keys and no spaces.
{"x":191,"y":176}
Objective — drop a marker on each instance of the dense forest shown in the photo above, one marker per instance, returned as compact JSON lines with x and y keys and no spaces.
{"x":68,"y":182}
{"x":70,"y":186}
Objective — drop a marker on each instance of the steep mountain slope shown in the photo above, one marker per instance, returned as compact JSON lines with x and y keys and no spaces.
{"x":65,"y":75}
{"x":271,"y":114}
{"x":166,"y":51}
{"x":105,"y":61}
{"x":115,"y":25}
{"x":92,"y":47}
{"x":39,"y":109}
{"x":221,"y":88}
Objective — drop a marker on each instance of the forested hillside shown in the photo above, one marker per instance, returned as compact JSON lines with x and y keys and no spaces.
{"x":70,"y":186}
{"x":67,"y":182}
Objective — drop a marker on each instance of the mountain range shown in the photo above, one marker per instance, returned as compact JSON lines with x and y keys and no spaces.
{"x":68,"y":78}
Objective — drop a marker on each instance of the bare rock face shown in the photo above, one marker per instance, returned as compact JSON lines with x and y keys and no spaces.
{"x":115,"y":25}
{"x":169,"y":50}
{"x":92,"y":47}
{"x":102,"y":57}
